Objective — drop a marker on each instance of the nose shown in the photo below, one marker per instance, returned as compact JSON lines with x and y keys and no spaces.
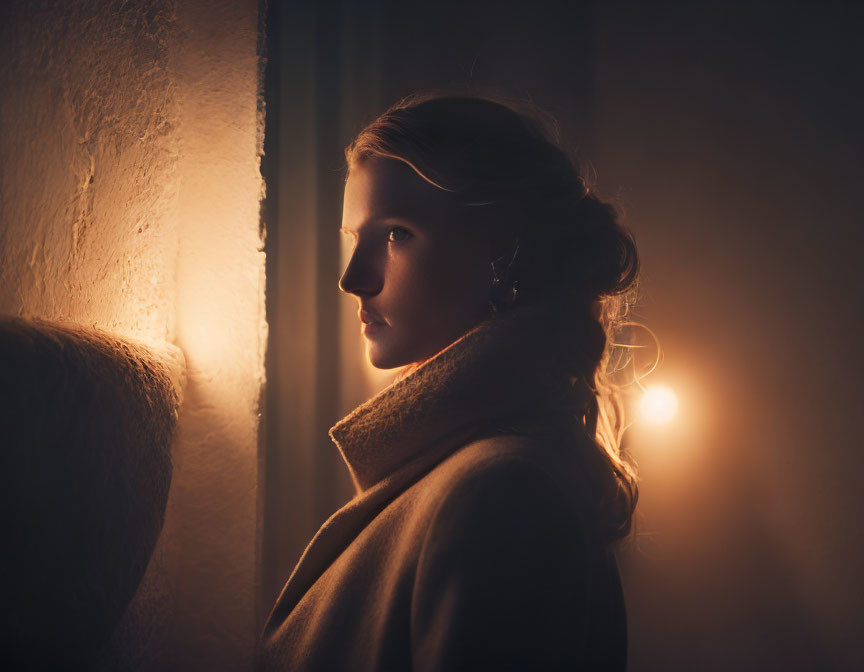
{"x":362,"y":275}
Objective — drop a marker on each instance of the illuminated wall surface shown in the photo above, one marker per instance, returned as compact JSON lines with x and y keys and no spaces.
{"x":130,"y":200}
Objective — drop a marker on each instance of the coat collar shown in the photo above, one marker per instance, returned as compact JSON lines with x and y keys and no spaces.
{"x":500,"y":377}
{"x":502,"y":372}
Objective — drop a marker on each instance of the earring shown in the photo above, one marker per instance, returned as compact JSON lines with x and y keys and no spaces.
{"x":503,"y":293}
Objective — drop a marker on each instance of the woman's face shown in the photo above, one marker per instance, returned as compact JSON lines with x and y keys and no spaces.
{"x":420,"y":273}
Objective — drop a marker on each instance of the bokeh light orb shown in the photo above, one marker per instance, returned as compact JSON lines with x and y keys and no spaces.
{"x":658,"y":405}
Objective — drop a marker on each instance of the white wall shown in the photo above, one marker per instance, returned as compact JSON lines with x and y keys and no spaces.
{"x":129,"y":196}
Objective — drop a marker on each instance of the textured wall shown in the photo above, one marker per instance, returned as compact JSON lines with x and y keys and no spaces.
{"x":129,"y":195}
{"x":87,"y":182}
{"x":221,"y":329}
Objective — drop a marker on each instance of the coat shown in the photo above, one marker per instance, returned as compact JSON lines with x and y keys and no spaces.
{"x":468,"y":545}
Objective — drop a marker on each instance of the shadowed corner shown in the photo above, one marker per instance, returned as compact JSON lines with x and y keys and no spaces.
{"x":85,"y":433}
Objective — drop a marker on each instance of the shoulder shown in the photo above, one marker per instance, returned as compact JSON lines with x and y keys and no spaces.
{"x":507,"y":487}
{"x":504,"y":565}
{"x":497,"y":454}
{"x":503,"y":467}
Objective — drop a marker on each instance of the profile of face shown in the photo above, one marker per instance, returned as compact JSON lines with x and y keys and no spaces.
{"x":419,"y":270}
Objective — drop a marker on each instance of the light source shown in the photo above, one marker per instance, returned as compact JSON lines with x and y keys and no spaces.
{"x":658,"y":404}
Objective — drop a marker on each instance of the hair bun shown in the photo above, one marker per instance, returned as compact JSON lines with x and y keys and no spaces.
{"x":601,"y":254}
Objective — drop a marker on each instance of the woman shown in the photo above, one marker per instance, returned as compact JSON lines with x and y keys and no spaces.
{"x":488,"y":477}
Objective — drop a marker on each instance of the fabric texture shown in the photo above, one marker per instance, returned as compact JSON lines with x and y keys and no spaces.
{"x":468,"y":544}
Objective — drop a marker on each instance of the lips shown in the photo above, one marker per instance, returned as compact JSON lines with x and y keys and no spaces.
{"x":367,"y":317}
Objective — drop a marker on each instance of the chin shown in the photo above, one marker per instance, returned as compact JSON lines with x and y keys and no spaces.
{"x":385,"y":363}
{"x":385,"y":351}
{"x":382,"y":357}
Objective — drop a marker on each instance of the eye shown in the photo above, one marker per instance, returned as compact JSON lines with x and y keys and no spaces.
{"x":397,"y":234}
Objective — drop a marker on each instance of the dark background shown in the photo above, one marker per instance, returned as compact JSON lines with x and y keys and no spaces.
{"x":729,"y":135}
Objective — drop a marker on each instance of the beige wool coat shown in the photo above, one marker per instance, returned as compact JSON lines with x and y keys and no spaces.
{"x":467,"y":545}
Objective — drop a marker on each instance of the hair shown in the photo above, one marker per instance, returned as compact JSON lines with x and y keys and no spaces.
{"x":502,"y":158}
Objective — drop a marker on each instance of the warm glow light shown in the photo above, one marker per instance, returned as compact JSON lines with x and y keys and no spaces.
{"x":658,"y":405}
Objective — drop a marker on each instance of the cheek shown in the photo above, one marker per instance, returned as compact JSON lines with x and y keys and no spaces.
{"x":464,"y":282}
{"x":466,"y":271}
{"x":444,"y":283}
{"x":431,"y":296}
